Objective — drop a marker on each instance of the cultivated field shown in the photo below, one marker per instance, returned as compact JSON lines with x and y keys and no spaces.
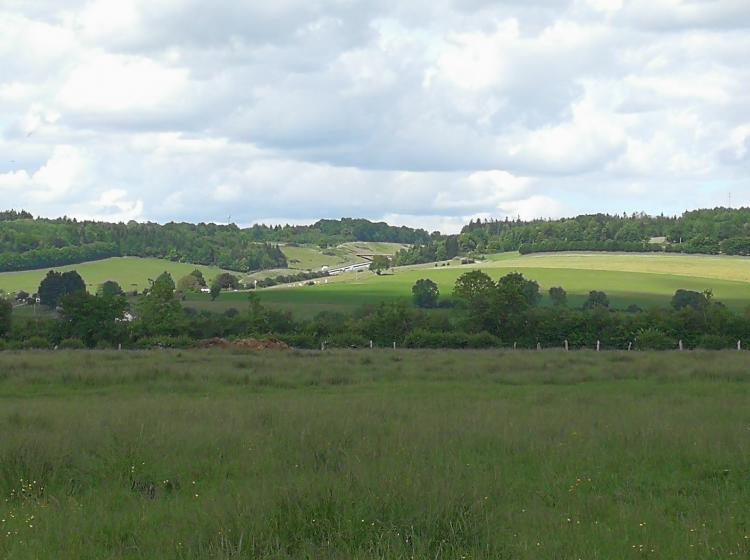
{"x":132,"y":273}
{"x":374,"y":454}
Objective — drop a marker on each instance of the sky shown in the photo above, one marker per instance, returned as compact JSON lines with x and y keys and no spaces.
{"x":426,"y":113}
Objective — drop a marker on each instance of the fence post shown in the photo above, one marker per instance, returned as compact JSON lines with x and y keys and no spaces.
{"x":538,"y":346}
{"x":630,"y":346}
{"x":394,"y":344}
{"x":515,"y":344}
{"x":598,"y":345}
{"x":371,"y":345}
{"x":322,"y":346}
{"x":119,"y":346}
{"x":567,"y":347}
{"x":680,"y":345}
{"x":739,"y":345}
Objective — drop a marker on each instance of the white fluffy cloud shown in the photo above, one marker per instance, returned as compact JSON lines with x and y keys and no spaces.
{"x":424,"y":113}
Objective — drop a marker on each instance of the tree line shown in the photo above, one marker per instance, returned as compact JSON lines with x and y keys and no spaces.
{"x":481,"y":312}
{"x":709,"y":231}
{"x":27,"y":243}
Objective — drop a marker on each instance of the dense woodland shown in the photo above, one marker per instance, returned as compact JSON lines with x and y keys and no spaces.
{"x":27,"y":243}
{"x":720,"y":230}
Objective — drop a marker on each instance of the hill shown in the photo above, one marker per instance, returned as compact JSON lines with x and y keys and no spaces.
{"x":709,"y":231}
{"x":132,"y":273}
{"x":644,"y":280}
{"x":312,"y":257}
{"x":27,"y":243}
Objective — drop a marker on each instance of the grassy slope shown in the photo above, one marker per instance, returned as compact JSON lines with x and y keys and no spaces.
{"x":383,"y":454}
{"x":628,"y":279}
{"x":306,"y":257}
{"x":130,"y":272}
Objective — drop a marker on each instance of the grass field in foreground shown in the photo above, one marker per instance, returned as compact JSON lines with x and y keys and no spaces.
{"x":374,"y":454}
{"x":130,"y":272}
{"x":645,"y":280}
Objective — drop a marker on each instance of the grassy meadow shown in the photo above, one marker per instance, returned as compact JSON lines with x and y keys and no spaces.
{"x":644,"y":280}
{"x":374,"y":454}
{"x":132,"y":273}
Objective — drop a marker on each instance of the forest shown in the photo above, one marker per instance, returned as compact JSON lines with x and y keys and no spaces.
{"x":27,"y":243}
{"x":708,"y":231}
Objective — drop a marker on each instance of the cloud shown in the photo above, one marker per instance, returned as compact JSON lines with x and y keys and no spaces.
{"x":428,"y":110}
{"x":104,"y":83}
{"x":67,"y":168}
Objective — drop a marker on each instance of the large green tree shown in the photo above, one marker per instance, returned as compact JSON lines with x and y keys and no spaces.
{"x":425,"y":293}
{"x":56,"y":285}
{"x":227,"y":281}
{"x":596,"y":299}
{"x":188,"y":283}
{"x":159,"y":311}
{"x":92,"y":318}
{"x":110,"y":288}
{"x":379,"y":264}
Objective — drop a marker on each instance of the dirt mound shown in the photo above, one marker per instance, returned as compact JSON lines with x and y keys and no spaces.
{"x":248,"y":343}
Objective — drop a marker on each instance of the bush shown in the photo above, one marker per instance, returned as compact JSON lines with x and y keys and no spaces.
{"x":35,"y":343}
{"x":306,"y":341}
{"x":654,"y":339}
{"x":347,"y":340}
{"x":715,"y":342}
{"x":71,"y":344}
{"x":181,"y":341}
{"x":440,"y":339}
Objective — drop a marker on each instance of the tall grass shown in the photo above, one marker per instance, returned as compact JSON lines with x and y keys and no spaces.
{"x":439,"y":454}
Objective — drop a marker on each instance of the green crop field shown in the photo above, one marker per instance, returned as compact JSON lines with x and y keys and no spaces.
{"x":645,"y":280}
{"x":373,"y":455}
{"x":132,"y":273}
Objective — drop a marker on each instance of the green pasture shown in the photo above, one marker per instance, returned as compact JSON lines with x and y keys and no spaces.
{"x":643,"y":280}
{"x":132,"y":273}
{"x":374,"y":454}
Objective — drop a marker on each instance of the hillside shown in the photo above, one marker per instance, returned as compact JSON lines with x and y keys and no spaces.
{"x":709,"y":231}
{"x":132,"y":273}
{"x":644,"y":280}
{"x":27,"y":243}
{"x":311,"y":257}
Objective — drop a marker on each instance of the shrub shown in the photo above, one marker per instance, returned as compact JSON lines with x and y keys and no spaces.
{"x":181,"y":341}
{"x":346,"y":340}
{"x":440,"y":339}
{"x":714,"y":342}
{"x":71,"y":344}
{"x":654,"y":339}
{"x":35,"y":342}
{"x":306,"y":341}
